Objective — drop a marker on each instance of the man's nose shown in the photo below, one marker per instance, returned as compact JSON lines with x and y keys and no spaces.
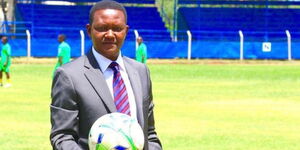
{"x":109,"y":33}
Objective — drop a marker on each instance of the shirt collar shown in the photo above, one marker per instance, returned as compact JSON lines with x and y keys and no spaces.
{"x":104,"y":62}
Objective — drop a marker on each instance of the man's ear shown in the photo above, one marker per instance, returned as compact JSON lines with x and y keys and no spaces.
{"x":127,"y":29}
{"x":88,"y":29}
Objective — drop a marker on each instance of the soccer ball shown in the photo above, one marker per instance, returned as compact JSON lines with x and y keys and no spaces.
{"x":116,"y":131}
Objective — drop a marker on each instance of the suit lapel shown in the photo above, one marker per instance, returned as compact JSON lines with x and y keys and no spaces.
{"x":136,"y":88}
{"x":95,"y":77}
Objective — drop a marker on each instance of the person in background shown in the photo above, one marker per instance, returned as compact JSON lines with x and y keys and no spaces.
{"x":5,"y":61}
{"x":141,"y":52}
{"x":64,"y":52}
{"x":101,"y":82}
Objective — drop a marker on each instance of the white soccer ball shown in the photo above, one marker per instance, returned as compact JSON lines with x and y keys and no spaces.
{"x":116,"y":131}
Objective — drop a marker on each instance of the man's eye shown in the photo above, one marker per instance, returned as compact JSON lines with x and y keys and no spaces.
{"x":101,"y":29}
{"x":117,"y":29}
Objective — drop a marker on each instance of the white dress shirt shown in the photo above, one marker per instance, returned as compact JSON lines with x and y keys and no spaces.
{"x":108,"y":75}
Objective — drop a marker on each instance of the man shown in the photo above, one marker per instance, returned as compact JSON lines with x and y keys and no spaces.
{"x":141,"y":52}
{"x":83,"y":90}
{"x":64,"y":51}
{"x":5,"y":61}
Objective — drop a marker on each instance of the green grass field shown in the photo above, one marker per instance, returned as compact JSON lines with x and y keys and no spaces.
{"x":198,"y":106}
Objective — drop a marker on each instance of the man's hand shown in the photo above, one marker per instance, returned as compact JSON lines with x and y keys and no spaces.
{"x":6,"y":61}
{"x":60,"y":60}
{"x":143,"y":58}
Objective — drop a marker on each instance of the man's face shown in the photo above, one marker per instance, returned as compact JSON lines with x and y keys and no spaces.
{"x":139,"y":40}
{"x":108,"y":32}
{"x":60,"y":38}
{"x":4,"y":40}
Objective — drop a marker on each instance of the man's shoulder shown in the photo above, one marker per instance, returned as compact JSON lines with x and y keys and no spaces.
{"x":130,"y":60}
{"x":75,"y":64}
{"x":143,"y":45}
{"x":135,"y":64}
{"x":67,"y":45}
{"x":74,"y":70}
{"x":6,"y":46}
{"x":64,"y":45}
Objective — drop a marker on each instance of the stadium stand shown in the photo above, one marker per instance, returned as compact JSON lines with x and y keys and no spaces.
{"x":50,"y":20}
{"x":246,"y":19}
{"x":62,"y":18}
{"x":214,"y":25}
{"x":226,"y":21}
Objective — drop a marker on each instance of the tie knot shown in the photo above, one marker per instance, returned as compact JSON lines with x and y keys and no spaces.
{"x":114,"y":66}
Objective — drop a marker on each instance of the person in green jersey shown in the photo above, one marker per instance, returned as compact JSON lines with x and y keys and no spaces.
{"x":141,"y":52}
{"x":64,"y":52}
{"x":5,"y":61}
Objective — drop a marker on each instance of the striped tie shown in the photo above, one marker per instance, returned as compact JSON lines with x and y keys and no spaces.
{"x":120,"y":93}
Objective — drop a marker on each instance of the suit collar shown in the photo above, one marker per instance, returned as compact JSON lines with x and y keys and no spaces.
{"x":136,"y":87}
{"x":95,"y":77}
{"x":104,"y":62}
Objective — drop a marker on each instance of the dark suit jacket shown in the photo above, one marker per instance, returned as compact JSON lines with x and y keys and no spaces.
{"x":80,"y":96}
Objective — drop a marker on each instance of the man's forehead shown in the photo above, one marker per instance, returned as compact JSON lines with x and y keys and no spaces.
{"x":109,"y":12}
{"x":108,"y":15}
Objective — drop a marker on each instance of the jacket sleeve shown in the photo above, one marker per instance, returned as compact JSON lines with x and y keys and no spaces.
{"x":64,"y":113}
{"x":153,"y":140}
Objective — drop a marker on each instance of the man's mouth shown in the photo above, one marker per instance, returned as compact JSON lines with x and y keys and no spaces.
{"x":108,"y":43}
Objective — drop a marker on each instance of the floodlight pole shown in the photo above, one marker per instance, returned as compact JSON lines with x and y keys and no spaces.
{"x":241,"y":45}
{"x":189,"y":52}
{"x":28,"y":43}
{"x":82,"y":42}
{"x":136,"y":33}
{"x":289,"y":42}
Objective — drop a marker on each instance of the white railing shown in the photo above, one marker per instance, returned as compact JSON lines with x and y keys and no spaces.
{"x":28,"y":43}
{"x":136,"y":33}
{"x":189,"y":50}
{"x":189,"y":47}
{"x":82,"y":41}
{"x":241,"y":45}
{"x":289,"y":43}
